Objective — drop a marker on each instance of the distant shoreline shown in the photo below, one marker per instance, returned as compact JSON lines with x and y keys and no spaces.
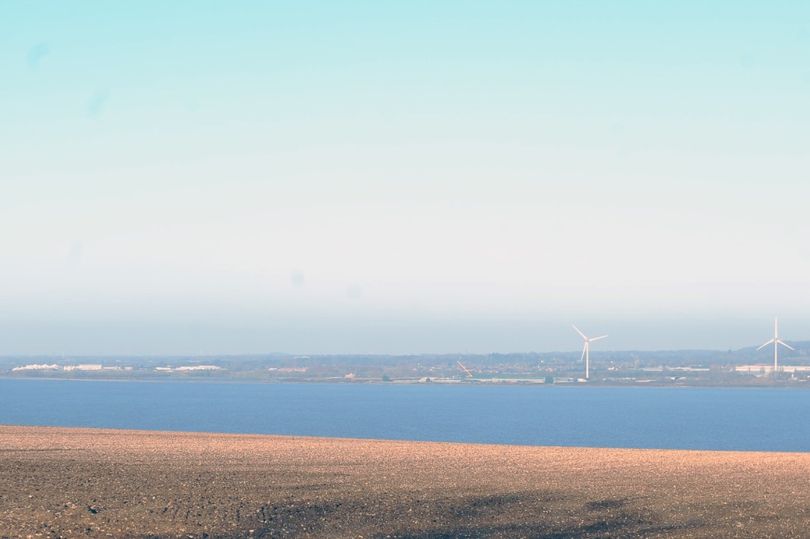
{"x":460,"y":383}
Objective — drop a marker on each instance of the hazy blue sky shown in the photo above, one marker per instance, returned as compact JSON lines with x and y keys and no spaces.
{"x":212,"y":177}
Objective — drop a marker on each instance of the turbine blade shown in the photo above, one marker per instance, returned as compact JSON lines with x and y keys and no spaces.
{"x":578,"y":331}
{"x":597,"y":338}
{"x":764,"y":345}
{"x":786,"y":345}
{"x":584,"y":349}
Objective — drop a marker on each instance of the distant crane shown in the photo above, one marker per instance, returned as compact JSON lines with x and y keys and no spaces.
{"x":776,"y":341}
{"x":465,"y":369}
{"x":586,"y":349}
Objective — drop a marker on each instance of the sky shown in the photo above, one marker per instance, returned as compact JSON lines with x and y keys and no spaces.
{"x":402,"y":177}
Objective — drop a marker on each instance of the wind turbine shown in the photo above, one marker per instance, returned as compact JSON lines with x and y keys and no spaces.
{"x":586,"y":349}
{"x":776,"y":341}
{"x":465,"y":369}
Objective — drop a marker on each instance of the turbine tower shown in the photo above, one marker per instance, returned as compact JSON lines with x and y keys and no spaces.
{"x":586,"y":349}
{"x":776,"y":341}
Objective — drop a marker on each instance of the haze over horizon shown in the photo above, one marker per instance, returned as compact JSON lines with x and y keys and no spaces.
{"x":358,"y":177}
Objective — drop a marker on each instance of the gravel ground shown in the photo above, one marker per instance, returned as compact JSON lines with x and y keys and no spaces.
{"x":101,"y":483}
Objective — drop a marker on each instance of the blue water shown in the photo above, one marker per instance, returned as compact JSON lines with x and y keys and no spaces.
{"x":678,"y":418}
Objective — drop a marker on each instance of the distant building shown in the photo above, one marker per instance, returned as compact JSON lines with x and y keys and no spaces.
{"x":768,"y":369}
{"x":84,"y":367}
{"x":36,"y":367}
{"x":189,"y":368}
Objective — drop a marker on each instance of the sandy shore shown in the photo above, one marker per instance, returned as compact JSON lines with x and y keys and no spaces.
{"x":74,"y":482}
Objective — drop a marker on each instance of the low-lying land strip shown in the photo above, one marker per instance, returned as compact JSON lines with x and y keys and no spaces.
{"x":69,"y":482}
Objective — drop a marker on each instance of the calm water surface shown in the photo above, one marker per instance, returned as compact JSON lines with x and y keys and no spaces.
{"x":678,"y":418}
